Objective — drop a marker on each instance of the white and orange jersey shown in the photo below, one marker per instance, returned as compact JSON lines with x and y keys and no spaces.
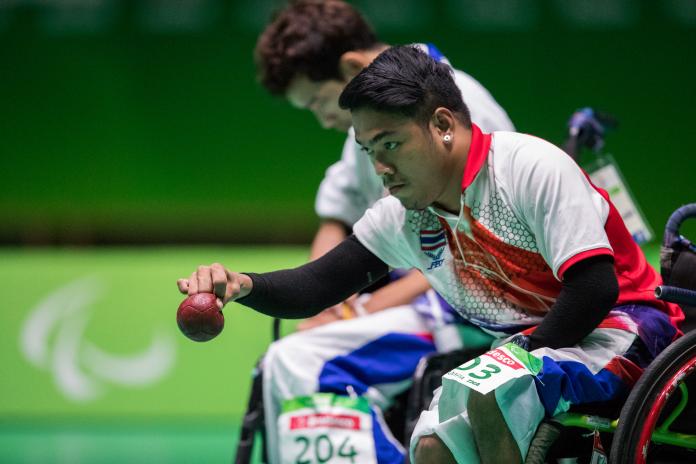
{"x":528,"y":213}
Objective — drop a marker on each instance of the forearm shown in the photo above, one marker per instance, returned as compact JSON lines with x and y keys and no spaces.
{"x":589,"y":291}
{"x":397,"y":293}
{"x":306,"y":290}
{"x":330,"y":233}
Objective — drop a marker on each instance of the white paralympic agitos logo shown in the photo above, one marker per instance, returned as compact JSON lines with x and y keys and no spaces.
{"x":80,"y":368}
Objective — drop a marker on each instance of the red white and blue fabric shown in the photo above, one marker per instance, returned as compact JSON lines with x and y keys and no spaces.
{"x":432,"y":240}
{"x":594,"y":376}
{"x":372,"y":356}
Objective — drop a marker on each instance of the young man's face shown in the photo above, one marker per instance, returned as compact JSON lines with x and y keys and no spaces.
{"x":404,"y":155}
{"x":321,"y":98}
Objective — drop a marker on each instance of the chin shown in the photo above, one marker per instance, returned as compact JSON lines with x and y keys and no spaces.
{"x":410,"y":203}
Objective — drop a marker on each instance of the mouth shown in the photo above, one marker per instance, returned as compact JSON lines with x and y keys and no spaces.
{"x":393,"y":189}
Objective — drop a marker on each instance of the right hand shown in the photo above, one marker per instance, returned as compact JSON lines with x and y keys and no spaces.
{"x":226,"y":285}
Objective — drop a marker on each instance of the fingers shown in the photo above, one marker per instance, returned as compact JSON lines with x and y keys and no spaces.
{"x":205,"y":279}
{"x":233,"y":286}
{"x":219,"y":280}
{"x":193,"y":284}
{"x":215,"y":279}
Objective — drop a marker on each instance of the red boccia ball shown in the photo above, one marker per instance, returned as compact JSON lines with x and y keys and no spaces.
{"x":199,"y":318}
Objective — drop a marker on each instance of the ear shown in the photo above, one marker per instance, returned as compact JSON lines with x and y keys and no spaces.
{"x":351,"y":63}
{"x":442,"y":121}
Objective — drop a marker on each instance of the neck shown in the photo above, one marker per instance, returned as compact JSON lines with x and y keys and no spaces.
{"x":450,"y":200}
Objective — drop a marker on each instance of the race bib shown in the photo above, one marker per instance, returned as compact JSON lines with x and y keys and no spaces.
{"x":326,"y":428}
{"x":605,"y":174}
{"x":494,"y":368}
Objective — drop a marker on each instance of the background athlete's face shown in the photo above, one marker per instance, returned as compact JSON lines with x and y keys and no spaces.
{"x":321,"y":98}
{"x":405,"y":156}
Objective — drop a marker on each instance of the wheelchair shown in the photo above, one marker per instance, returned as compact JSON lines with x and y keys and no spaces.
{"x":655,"y":424}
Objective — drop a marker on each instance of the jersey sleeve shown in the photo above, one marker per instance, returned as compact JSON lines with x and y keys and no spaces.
{"x":381,"y":230}
{"x":350,"y":186}
{"x":566,"y":214}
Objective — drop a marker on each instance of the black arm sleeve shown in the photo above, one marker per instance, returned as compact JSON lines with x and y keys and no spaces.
{"x":306,"y":290}
{"x":589,"y":291}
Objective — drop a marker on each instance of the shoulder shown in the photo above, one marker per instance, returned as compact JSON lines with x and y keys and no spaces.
{"x":524,"y":152}
{"x":388,"y":209}
{"x":382,"y":231}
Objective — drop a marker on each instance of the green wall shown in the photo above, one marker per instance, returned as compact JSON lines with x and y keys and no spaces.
{"x":91,"y":333}
{"x":132,"y":124}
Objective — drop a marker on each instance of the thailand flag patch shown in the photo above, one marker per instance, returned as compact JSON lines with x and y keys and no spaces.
{"x":433,"y":245}
{"x":432,"y":240}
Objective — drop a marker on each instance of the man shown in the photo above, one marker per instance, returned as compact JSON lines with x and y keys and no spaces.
{"x":531,"y":251}
{"x":307,"y":54}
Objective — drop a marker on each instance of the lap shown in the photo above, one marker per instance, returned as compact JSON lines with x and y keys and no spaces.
{"x":378,"y":350}
{"x":602,"y":367}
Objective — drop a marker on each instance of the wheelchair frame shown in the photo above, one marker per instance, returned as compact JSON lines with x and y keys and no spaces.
{"x":658,"y":382}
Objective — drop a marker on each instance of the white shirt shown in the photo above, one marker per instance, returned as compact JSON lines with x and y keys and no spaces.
{"x":528,"y":213}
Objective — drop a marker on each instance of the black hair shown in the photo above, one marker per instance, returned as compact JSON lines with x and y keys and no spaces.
{"x":405,"y":80}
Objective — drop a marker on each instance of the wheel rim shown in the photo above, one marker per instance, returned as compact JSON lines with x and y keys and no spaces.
{"x":650,"y":422}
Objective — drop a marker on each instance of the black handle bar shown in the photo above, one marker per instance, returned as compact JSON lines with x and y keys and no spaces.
{"x":677,"y":295}
{"x":675,"y":221}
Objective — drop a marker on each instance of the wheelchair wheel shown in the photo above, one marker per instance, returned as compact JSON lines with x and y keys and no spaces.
{"x":650,"y":403}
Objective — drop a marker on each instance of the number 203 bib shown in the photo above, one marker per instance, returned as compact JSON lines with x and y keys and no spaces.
{"x":484,"y":374}
{"x":326,"y":428}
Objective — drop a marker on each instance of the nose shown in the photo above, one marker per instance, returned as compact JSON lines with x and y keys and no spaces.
{"x":383,"y":169}
{"x":326,"y":121}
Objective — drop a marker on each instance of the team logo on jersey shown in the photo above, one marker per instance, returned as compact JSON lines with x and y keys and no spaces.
{"x":433,"y":245}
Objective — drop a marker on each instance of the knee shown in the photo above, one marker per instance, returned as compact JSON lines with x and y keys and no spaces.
{"x":292,"y":366}
{"x":430,"y":449}
{"x":481,"y":405}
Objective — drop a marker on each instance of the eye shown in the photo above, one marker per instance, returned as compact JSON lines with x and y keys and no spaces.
{"x":389,"y":146}
{"x":369,"y":151}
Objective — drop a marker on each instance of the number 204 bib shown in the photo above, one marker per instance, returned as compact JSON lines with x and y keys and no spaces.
{"x":326,"y":428}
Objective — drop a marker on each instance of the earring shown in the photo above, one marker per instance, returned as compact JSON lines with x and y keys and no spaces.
{"x":447,"y":138}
